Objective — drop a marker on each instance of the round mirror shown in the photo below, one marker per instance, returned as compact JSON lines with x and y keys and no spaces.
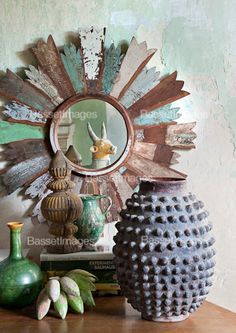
{"x":92,"y":134}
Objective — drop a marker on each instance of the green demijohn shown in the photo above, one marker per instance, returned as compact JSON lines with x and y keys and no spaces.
{"x":91,"y":223}
{"x":20,"y":278}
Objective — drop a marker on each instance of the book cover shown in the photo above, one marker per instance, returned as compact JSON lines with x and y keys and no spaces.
{"x":83,"y":255}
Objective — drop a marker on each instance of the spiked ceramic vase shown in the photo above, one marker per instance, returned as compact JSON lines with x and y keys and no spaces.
{"x":163,"y":251}
{"x":20,"y":279}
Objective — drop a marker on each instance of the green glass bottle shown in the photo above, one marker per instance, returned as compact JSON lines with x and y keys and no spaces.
{"x":20,"y":278}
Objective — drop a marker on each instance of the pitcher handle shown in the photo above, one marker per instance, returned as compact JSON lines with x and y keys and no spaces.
{"x":109,"y":203}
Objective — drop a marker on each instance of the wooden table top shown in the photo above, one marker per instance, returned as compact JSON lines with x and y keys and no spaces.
{"x":113,"y":314}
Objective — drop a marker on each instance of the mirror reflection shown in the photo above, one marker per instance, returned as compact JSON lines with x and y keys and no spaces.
{"x":92,"y":134}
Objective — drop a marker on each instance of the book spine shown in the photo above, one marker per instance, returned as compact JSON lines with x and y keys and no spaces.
{"x":107,"y":286}
{"x":82,"y":264}
{"x":103,"y":285}
{"x":82,"y":256}
{"x":104,"y":277}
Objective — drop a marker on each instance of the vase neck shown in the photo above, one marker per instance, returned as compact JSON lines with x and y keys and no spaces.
{"x":162,"y":186}
{"x":15,"y":240}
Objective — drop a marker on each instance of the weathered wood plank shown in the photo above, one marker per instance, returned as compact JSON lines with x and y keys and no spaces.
{"x":14,"y":88}
{"x":155,"y":133}
{"x":37,"y":212}
{"x":112,"y":63}
{"x":14,"y":132}
{"x":139,"y":134}
{"x":74,"y":66}
{"x":145,"y":81}
{"x":92,"y":44}
{"x":25,"y":172}
{"x":181,"y":136}
{"x":131,"y":177}
{"x":137,"y":56}
{"x":160,"y":153}
{"x":165,"y":114}
{"x":178,"y":136}
{"x":167,"y":91}
{"x":147,"y":168}
{"x":164,"y":155}
{"x":2,"y":187}
{"x":3,"y":170}
{"x":42,"y":81}
{"x":78,"y":182}
{"x":50,"y":61}
{"x":89,"y":186}
{"x":19,"y":113}
{"x":38,"y":187}
{"x":19,"y":151}
{"x":122,"y":188}
{"x":146,"y":150}
{"x":106,"y":188}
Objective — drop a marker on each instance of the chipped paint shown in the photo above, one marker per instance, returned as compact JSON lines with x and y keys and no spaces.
{"x":146,"y":80}
{"x":162,"y":115}
{"x":91,"y":43}
{"x":19,"y":113}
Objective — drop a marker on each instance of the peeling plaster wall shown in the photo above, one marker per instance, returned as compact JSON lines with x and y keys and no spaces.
{"x":196,"y":37}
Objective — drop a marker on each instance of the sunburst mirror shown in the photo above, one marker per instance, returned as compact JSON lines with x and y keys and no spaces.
{"x":106,"y":110}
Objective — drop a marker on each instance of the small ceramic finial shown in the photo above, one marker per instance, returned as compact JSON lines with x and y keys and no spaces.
{"x":59,"y":168}
{"x":73,"y":155}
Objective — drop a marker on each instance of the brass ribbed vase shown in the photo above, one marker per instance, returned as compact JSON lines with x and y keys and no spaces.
{"x":62,"y":207}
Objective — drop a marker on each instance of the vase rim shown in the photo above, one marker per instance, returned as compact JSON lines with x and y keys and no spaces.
{"x":167,"y":185}
{"x":15,"y":225}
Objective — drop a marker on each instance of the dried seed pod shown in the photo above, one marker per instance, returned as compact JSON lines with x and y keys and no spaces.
{"x":61,"y":305}
{"x":69,"y":286}
{"x":53,"y":289}
{"x":43,"y":304}
{"x":76,"y":303}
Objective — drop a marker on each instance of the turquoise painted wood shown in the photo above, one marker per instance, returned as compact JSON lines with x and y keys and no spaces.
{"x":122,"y":170}
{"x":162,"y":115}
{"x":10,"y":132}
{"x":145,"y":81}
{"x":73,"y":64}
{"x":112,"y":62}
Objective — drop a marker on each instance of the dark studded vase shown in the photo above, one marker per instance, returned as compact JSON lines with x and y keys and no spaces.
{"x":163,"y":252}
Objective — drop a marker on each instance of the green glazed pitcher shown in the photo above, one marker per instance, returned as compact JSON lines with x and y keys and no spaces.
{"x":20,"y":278}
{"x":91,"y":223}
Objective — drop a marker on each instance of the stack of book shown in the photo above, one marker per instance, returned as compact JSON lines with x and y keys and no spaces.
{"x":98,"y":263}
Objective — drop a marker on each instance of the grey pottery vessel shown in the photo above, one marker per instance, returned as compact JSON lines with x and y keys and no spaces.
{"x":163,"y":251}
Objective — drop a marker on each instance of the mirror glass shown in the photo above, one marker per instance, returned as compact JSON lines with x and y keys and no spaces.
{"x":92,"y":134}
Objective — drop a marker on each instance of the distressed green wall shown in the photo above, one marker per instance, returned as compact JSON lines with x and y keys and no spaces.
{"x":196,"y":37}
